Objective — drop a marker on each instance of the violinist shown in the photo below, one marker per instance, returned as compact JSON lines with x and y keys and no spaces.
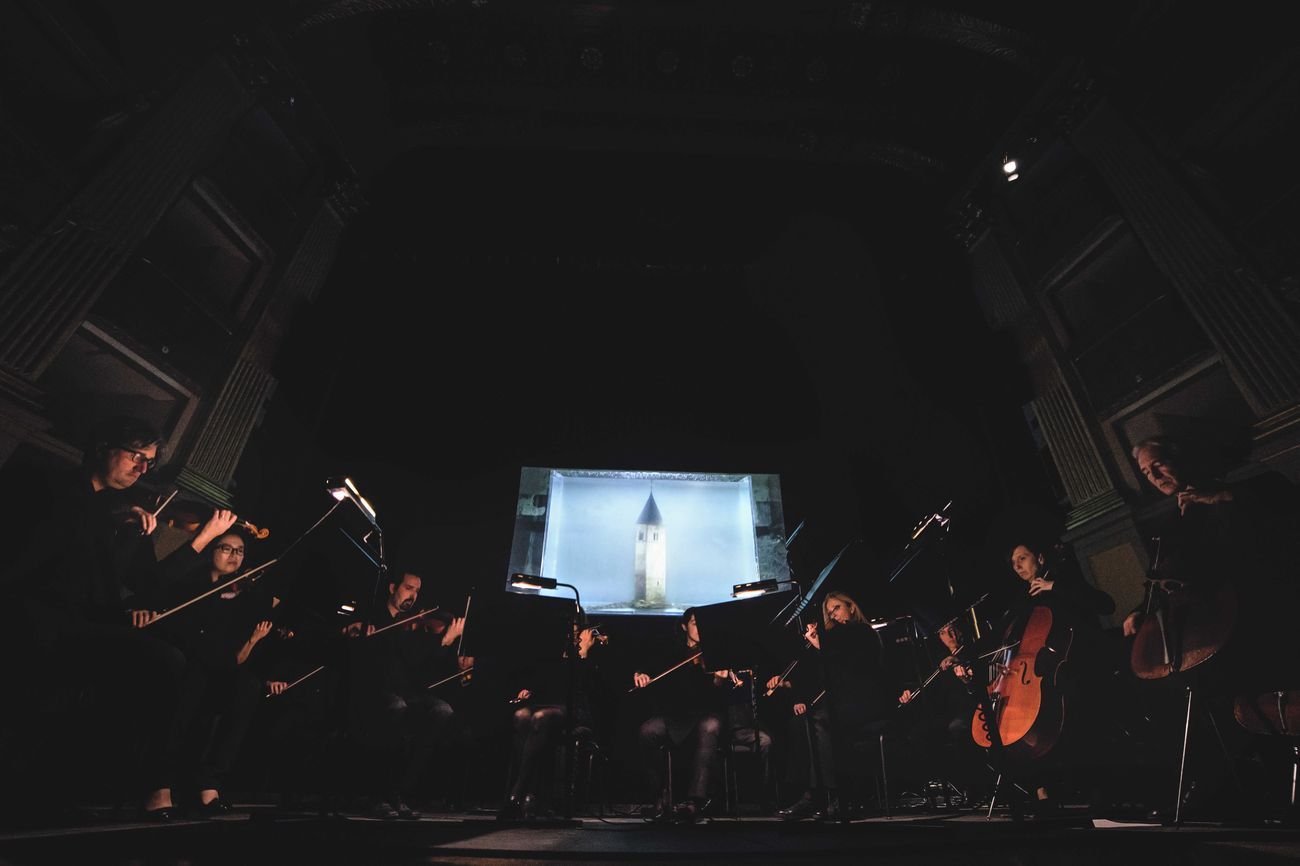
{"x":81,"y":581}
{"x":858,"y":690}
{"x":539,"y":719}
{"x":225,"y":639}
{"x":400,"y":722}
{"x":810,"y":763}
{"x":938,"y":718}
{"x":692,"y":705}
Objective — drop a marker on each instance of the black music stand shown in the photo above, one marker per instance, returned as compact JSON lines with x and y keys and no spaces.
{"x":737,"y":635}
{"x":511,"y":626}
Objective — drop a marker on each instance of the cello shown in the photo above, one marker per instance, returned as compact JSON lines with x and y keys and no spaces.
{"x":1025,"y":697}
{"x":1180,"y":628}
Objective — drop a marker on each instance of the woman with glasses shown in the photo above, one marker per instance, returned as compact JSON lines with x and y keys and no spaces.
{"x":225,"y":640}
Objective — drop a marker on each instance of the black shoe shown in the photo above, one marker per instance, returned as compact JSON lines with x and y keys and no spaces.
{"x":801,"y":810}
{"x":658,"y":812}
{"x":382,"y":810}
{"x":511,"y":810}
{"x":831,"y":813}
{"x":213,"y":808}
{"x":1046,"y":807}
{"x":165,"y":815}
{"x":690,"y":811}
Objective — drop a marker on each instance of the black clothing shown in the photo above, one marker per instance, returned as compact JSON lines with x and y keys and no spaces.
{"x":540,"y":721}
{"x":87,"y":558}
{"x":83,"y":568}
{"x":691,"y":708}
{"x":861,"y":697}
{"x":394,"y":716}
{"x":219,"y":697}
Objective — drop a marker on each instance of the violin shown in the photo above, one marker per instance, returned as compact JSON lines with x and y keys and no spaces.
{"x":189,"y":516}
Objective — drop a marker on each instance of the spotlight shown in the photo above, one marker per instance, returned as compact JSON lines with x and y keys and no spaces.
{"x":1008,"y":165}
{"x":1013,"y":176}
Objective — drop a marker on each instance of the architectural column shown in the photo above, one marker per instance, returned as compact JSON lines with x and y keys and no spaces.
{"x":1075,"y":453}
{"x":995,"y":284}
{"x":212,"y":461}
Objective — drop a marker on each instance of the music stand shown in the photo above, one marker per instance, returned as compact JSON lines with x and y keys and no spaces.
{"x":737,"y":635}
{"x":510,"y":626}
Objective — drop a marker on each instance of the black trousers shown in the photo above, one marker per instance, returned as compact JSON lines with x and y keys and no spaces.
{"x":537,"y":730}
{"x":216,"y":709}
{"x":659,"y":734}
{"x":402,"y":733}
{"x":135,"y":678}
{"x":811,"y":759}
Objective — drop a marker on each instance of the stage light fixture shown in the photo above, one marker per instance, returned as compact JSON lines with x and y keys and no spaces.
{"x":1008,"y":165}
{"x":532,"y":581}
{"x":342,"y":488}
{"x":756,"y":588}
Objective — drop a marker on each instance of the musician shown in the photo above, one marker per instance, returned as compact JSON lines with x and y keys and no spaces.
{"x":225,"y":641}
{"x":692,"y":708}
{"x":859,"y":692}
{"x":1238,"y":538}
{"x":810,"y":765}
{"x":1048,"y":580}
{"x":80,"y":584}
{"x":393,"y":713}
{"x":939,"y":718}
{"x":846,"y":715}
{"x":539,"y":720}
{"x":1242,"y":532}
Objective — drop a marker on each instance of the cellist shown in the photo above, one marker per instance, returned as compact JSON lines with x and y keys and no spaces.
{"x":1064,"y":607}
{"x":1229,"y":549}
{"x":1241,"y":533}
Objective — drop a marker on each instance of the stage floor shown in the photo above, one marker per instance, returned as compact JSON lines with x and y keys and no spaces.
{"x":265,"y":836}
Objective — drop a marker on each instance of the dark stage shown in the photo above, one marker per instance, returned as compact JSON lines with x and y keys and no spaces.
{"x":965,"y":838}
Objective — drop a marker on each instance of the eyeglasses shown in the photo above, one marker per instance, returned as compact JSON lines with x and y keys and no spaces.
{"x":139,"y":458}
{"x":230,"y":551}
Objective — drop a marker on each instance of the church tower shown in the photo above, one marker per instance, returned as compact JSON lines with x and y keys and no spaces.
{"x":651,"y":557}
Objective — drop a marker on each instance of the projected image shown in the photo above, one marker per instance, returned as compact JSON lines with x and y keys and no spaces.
{"x":648,"y":542}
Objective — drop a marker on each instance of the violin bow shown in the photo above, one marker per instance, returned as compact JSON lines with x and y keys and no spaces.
{"x":213,"y":591}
